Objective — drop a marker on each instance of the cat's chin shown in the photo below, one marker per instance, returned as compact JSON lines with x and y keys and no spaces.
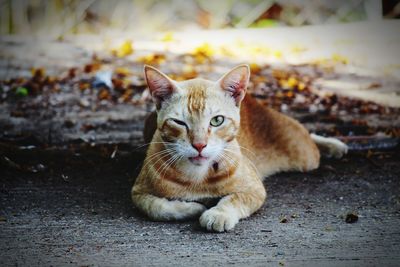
{"x":199,"y":160}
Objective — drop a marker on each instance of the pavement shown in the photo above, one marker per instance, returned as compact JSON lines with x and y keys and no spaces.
{"x":75,"y":210}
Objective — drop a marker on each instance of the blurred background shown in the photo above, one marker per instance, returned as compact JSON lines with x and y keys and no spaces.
{"x":60,"y":17}
{"x":319,"y":60}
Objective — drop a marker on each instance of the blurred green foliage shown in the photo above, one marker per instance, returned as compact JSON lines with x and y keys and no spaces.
{"x":265,"y":23}
{"x":21,"y":91}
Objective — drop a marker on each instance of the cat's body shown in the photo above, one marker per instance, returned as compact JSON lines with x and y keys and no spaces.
{"x":209,"y":142}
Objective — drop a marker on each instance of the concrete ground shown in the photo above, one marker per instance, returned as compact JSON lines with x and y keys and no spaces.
{"x":76,"y":211}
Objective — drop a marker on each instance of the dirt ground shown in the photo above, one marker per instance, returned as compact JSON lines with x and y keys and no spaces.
{"x":76,"y":210}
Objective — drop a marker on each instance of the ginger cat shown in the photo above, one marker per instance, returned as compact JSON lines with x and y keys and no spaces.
{"x":209,"y":141}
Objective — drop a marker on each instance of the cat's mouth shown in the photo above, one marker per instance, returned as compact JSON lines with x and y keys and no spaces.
{"x":198,"y":160}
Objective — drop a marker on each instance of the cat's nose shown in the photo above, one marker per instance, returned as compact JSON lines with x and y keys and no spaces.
{"x":199,"y":146}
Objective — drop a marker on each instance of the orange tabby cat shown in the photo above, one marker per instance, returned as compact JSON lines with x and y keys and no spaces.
{"x":209,"y":141}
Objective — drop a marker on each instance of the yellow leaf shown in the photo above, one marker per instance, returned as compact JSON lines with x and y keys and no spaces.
{"x":123,"y":71}
{"x":277,"y":54}
{"x":340,"y":59}
{"x":154,"y":59}
{"x":124,"y":50}
{"x":204,"y":51}
{"x":301,"y":86}
{"x":255,"y":68}
{"x":38,"y":72}
{"x":292,"y":82}
{"x":168,"y":37}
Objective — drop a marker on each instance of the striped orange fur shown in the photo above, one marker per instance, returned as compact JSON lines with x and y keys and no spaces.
{"x":209,"y":141}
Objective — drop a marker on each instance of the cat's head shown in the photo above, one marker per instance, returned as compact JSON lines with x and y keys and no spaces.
{"x":198,"y":118}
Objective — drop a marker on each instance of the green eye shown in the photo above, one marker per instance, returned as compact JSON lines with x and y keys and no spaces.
{"x":217,"y":121}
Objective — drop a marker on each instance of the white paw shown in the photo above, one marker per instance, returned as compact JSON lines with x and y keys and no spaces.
{"x":189,"y":209}
{"x":219,"y":221}
{"x":336,"y":148}
{"x":176,"y":210}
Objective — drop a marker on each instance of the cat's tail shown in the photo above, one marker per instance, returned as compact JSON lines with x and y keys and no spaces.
{"x":330,"y":147}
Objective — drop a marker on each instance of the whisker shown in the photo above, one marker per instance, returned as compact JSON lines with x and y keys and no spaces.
{"x":247,"y":150}
{"x":167,"y":164}
{"x":162,"y":152}
{"x":249,"y":161}
{"x":226,"y":160}
{"x":180,"y":157}
{"x":231,"y":160}
{"x":163,"y":166}
{"x":170,"y":164}
{"x":165,"y":143}
{"x":159,"y":159}
{"x":152,"y":166}
{"x":225,"y":165}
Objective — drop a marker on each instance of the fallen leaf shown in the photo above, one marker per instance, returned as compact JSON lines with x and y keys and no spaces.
{"x":104,"y":94}
{"x":351,"y":217}
{"x":340,"y":59}
{"x":38,"y":72}
{"x":203,"y":53}
{"x":255,"y":68}
{"x":125,"y":49}
{"x":84,"y":85}
{"x":123,"y":72}
{"x":277,"y":54}
{"x":283,"y":219}
{"x":114,"y":152}
{"x":153,"y":59}
{"x":88,"y":68}
{"x":168,"y":37}
{"x":374,"y":85}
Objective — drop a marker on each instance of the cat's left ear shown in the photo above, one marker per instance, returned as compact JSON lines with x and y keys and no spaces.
{"x":235,"y":82}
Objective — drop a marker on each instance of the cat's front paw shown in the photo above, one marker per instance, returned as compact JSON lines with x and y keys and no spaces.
{"x":175,"y":210}
{"x":188,"y":210}
{"x":336,"y":148}
{"x":218,"y":220}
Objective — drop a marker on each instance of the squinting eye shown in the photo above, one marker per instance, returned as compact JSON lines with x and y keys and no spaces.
{"x":179,"y":122}
{"x":217,"y":121}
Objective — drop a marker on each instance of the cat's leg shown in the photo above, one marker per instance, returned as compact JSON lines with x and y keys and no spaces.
{"x":162,"y":209}
{"x":329,"y":146}
{"x":231,"y":208}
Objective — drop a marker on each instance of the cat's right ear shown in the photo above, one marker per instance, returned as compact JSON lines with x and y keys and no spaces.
{"x":235,"y":82}
{"x":161,"y":87}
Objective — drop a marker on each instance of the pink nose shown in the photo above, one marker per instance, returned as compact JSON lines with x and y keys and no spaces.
{"x":199,"y":146}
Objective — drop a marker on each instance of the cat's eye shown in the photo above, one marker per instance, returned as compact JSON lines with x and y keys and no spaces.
{"x":179,"y":122}
{"x":217,"y":121}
